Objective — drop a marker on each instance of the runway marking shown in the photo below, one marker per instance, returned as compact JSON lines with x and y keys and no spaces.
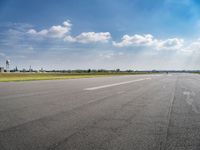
{"x":115,"y":84}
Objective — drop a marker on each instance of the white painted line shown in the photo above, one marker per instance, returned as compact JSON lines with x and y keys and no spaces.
{"x":157,"y":75}
{"x":115,"y":84}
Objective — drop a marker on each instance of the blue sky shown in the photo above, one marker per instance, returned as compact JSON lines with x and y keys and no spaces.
{"x":108,"y":34}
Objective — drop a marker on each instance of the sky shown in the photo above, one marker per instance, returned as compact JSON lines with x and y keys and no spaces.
{"x":100,"y":34}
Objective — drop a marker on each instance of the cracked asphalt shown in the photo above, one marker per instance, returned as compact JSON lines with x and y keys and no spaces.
{"x":140,"y":112}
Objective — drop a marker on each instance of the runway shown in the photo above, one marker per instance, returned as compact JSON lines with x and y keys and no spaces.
{"x":135,"y":112}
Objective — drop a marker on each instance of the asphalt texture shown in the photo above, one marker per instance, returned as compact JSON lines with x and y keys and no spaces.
{"x":139,"y":112}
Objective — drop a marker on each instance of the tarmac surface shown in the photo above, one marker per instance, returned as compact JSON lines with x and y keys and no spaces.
{"x":139,"y":112}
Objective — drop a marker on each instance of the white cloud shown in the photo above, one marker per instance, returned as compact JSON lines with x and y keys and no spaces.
{"x":135,"y":40}
{"x":90,"y":37}
{"x":40,"y":33}
{"x":193,"y":47}
{"x":174,"y":43}
{"x":69,"y":39}
{"x":149,"y":41}
{"x":58,"y":31}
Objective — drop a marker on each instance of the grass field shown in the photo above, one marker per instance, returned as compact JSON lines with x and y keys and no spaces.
{"x":10,"y":77}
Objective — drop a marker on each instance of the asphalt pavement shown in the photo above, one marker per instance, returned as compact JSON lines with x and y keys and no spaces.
{"x":138,"y":112}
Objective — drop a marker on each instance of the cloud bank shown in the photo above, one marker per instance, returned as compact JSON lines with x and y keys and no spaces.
{"x":57,"y":31}
{"x":62,"y":31}
{"x":137,"y":40}
{"x":148,"y":40}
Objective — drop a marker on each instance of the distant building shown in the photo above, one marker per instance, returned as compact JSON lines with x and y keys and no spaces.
{"x":41,"y":70}
{"x":1,"y":69}
{"x":30,"y":69}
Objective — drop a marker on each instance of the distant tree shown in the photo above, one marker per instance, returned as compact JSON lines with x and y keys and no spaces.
{"x":89,"y":70}
{"x":117,"y":70}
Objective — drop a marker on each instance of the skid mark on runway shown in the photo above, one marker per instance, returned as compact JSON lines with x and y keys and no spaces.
{"x":189,"y":99}
{"x":115,"y":84}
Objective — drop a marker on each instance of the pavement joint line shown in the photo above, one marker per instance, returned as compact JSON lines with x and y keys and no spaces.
{"x":114,"y":84}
